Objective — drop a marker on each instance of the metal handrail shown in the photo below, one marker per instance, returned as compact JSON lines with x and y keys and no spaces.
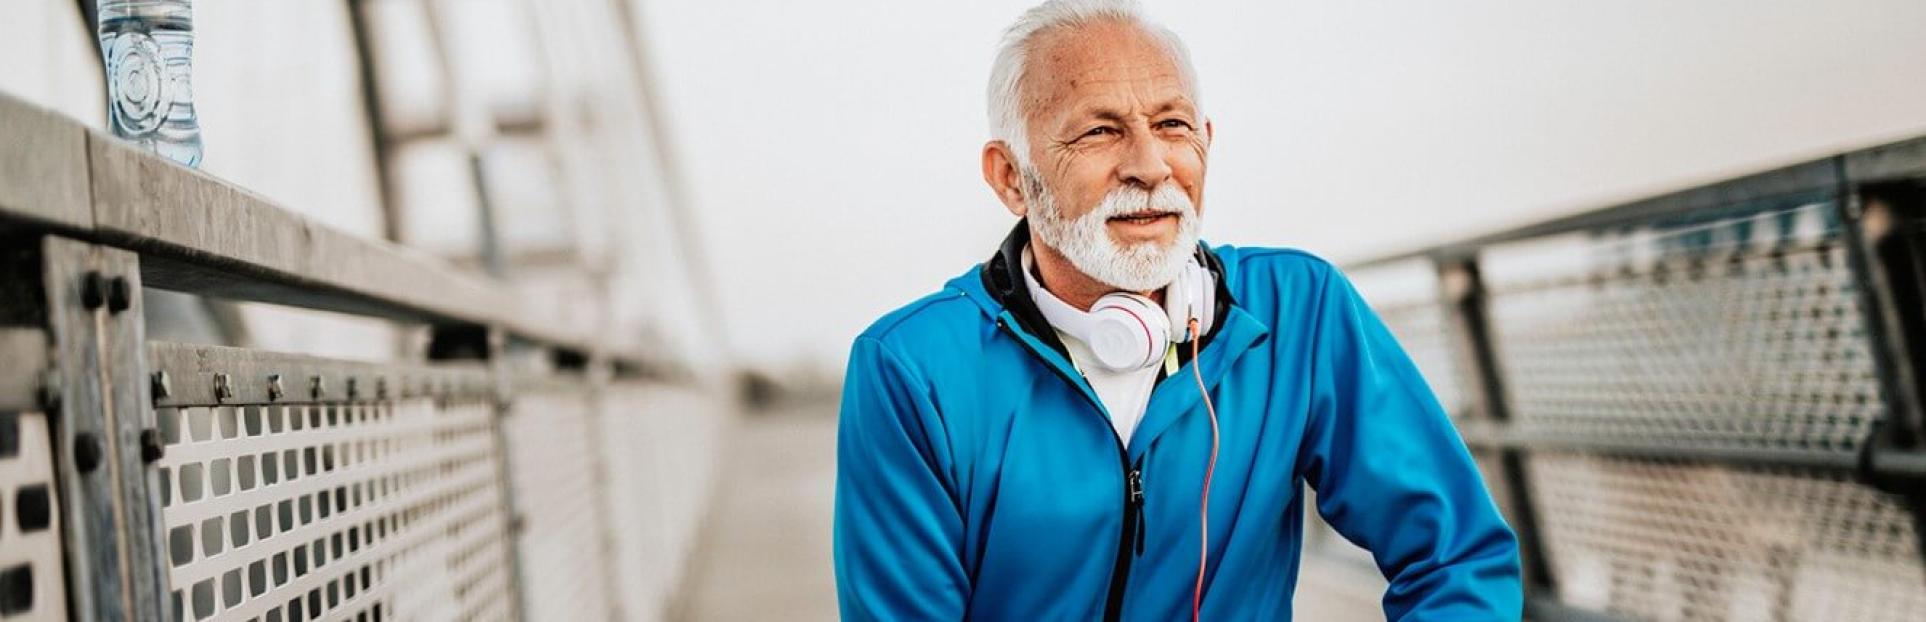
{"x":200,"y":234}
{"x":1903,"y":159}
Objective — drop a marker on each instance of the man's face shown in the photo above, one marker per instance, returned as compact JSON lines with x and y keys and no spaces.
{"x":1108,"y":113}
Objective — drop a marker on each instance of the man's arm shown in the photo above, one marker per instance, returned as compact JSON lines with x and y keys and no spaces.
{"x":898,"y":527}
{"x":1393,"y":476}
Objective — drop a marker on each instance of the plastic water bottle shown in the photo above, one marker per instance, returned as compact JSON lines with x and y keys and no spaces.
{"x":148,"y":46}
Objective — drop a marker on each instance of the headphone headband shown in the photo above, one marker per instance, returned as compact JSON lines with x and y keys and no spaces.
{"x":1127,"y":331}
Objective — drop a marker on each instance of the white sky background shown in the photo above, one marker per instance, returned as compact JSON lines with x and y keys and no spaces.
{"x":832,"y":147}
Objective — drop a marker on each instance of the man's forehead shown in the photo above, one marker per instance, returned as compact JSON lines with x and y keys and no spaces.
{"x":1113,"y":50}
{"x":1101,"y":62}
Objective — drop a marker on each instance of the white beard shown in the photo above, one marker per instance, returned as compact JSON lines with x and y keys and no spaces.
{"x":1086,"y":241}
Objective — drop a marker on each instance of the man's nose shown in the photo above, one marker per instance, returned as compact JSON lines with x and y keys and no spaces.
{"x":1143,"y":163}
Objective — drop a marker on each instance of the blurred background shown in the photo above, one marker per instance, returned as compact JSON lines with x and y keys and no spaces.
{"x":735,"y":189}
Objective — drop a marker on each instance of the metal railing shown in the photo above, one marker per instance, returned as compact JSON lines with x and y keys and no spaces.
{"x":1701,"y":406}
{"x":517,"y":467}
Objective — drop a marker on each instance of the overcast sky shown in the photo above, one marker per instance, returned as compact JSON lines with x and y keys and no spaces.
{"x":832,"y":147}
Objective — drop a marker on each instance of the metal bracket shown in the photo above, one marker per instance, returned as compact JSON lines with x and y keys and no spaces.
{"x":115,"y":564}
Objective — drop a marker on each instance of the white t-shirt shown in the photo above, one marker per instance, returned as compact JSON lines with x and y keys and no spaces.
{"x":1124,"y":394}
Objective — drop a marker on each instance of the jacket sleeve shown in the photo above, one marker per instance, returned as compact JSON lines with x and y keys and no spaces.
{"x":898,"y":528}
{"x":1393,"y":476}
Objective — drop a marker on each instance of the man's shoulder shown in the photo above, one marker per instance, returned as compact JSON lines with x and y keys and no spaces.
{"x":944,"y":312}
{"x":1276,"y":266}
{"x":921,"y":335}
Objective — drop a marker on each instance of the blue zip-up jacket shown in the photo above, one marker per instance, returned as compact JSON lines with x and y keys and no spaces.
{"x":978,"y":475}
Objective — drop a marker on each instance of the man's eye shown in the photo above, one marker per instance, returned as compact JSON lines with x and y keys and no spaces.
{"x":1174,"y":124}
{"x":1099,"y":131}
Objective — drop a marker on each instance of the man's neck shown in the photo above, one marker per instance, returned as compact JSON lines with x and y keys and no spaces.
{"x":1069,"y":284}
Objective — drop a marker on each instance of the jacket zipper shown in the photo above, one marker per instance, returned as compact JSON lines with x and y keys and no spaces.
{"x":1133,"y":501}
{"x":1137,"y":500}
{"x":1133,"y":530}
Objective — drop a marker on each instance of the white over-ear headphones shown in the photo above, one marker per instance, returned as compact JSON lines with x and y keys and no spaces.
{"x":1125,"y":330}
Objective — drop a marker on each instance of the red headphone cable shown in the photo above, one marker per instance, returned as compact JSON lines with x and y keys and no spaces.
{"x":1203,"y":551}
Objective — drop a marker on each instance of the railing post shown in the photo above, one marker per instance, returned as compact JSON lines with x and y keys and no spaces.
{"x":97,"y":395}
{"x":1883,"y":222}
{"x":1464,"y":295}
{"x":482,"y":343}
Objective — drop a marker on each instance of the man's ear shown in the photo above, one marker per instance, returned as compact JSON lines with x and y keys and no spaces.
{"x":1210,"y":133}
{"x":1000,"y":172}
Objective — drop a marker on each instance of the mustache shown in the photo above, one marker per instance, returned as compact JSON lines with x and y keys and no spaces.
{"x":1133,"y":202}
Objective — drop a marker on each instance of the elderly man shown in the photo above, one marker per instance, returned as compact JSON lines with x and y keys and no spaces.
{"x":1109,"y":420}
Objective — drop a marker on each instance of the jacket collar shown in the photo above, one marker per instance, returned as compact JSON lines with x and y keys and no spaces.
{"x":998,"y":289}
{"x":1002,"y":280}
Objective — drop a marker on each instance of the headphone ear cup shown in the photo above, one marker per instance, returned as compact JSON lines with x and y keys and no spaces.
{"x":1128,"y":333}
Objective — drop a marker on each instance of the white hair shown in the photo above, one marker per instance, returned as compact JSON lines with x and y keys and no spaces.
{"x":1007,"y":122}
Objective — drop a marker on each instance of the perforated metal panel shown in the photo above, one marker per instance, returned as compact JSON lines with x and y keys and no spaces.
{"x":1741,"y":332}
{"x":1667,"y":540}
{"x":553,"y":460}
{"x":1406,"y":296}
{"x":33,"y":583}
{"x":364,"y":510}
